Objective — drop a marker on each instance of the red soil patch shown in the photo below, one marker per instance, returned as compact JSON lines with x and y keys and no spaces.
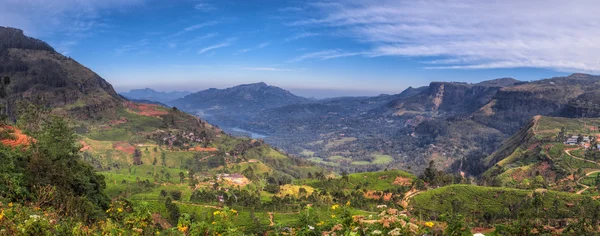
{"x":85,"y":146}
{"x":402,"y":181}
{"x":201,"y":149}
{"x":532,"y":146}
{"x":122,"y":120}
{"x":145,"y":109}
{"x":518,"y":175}
{"x":19,"y":139}
{"x":124,"y":147}
{"x":157,"y":219}
{"x":373,"y":195}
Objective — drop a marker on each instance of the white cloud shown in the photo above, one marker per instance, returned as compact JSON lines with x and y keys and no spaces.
{"x":135,"y":47}
{"x":264,"y":69}
{"x":226,"y":43}
{"x":201,"y":38}
{"x":290,"y":9}
{"x":72,"y":20}
{"x":469,"y":34}
{"x":262,"y":45}
{"x":205,"y":7}
{"x":301,"y":35}
{"x":326,"y":54}
{"x":192,"y":28}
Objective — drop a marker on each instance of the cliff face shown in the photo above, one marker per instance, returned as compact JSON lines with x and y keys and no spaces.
{"x":446,"y":99}
{"x":512,"y":107}
{"x":41,"y":75}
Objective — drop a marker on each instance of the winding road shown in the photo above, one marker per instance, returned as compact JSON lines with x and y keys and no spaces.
{"x":585,"y":187}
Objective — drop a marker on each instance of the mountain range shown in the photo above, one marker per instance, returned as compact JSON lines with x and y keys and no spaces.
{"x":444,"y":121}
{"x":152,"y":95}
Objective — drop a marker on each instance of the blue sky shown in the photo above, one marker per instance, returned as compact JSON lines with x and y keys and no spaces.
{"x":314,"y":48}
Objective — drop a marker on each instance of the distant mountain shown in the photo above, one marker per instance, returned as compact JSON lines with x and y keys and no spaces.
{"x":152,"y":95}
{"x":42,"y":76}
{"x":233,"y":105}
{"x":449,"y":98}
{"x":245,"y":97}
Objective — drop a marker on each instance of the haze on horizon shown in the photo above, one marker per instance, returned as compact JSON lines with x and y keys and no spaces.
{"x":314,"y":48}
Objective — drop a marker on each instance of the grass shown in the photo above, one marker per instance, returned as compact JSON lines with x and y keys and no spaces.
{"x":307,"y":153}
{"x":382,"y":159}
{"x":380,"y":181}
{"x":294,"y":190}
{"x":321,"y":161}
{"x":473,"y":201}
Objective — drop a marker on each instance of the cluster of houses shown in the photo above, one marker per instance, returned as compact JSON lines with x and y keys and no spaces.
{"x":170,"y":138}
{"x":236,"y":179}
{"x":583,"y":141}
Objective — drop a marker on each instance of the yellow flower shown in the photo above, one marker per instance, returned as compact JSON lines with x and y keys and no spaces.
{"x":157,"y":233}
{"x":182,"y":228}
{"x":234,"y":211}
{"x":216,"y":213}
{"x":1,"y":215}
{"x":120,"y":209}
{"x":348,"y":203}
{"x":429,"y":224}
{"x":214,"y":222}
{"x":10,"y":204}
{"x":332,"y":216}
{"x":321,"y":223}
{"x":336,"y":206}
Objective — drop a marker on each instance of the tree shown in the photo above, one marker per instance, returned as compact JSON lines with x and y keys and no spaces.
{"x":176,"y":195}
{"x":181,"y":177}
{"x":78,"y":190}
{"x":173,"y":211}
{"x":345,"y":176}
{"x":137,"y":157}
{"x":168,"y":176}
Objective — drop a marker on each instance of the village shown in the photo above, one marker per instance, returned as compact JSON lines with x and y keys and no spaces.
{"x":582,"y":140}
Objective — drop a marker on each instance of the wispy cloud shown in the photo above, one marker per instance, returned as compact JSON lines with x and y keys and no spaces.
{"x":300,"y":36}
{"x":290,"y":9}
{"x":225,"y":43}
{"x":264,"y":69}
{"x":326,"y":54}
{"x":273,"y":68}
{"x":205,"y":7}
{"x":136,"y":46}
{"x":201,"y":38}
{"x":69,"y":20}
{"x":469,"y":34}
{"x":192,"y":28}
{"x":262,"y":45}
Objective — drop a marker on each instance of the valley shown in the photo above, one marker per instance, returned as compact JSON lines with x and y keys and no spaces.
{"x":500,"y":157}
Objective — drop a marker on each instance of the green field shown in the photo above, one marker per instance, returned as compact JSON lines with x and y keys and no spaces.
{"x":475,"y":201}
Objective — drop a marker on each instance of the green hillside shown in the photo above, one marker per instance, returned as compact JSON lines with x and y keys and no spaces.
{"x":537,"y":157}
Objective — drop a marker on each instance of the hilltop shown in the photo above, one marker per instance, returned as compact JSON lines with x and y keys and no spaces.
{"x":152,"y":95}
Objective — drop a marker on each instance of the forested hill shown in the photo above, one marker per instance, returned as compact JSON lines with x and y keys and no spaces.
{"x":42,"y":76}
{"x":243,"y":99}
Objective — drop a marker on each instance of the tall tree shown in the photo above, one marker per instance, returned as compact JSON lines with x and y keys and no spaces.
{"x":137,"y":157}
